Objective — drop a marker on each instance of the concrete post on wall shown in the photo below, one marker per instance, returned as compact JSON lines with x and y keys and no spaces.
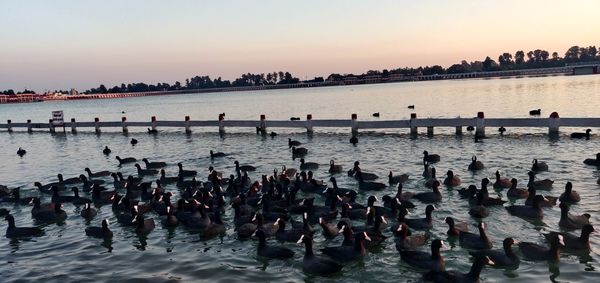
{"x":459,"y":130}
{"x":29,"y":127}
{"x":124,"y":124}
{"x":188,"y":129}
{"x":413,"y":127}
{"x":73,"y":126}
{"x":153,"y":123}
{"x":354,"y":124}
{"x":480,"y":125}
{"x":221,"y":124}
{"x":553,"y":124}
{"x":51,"y":126}
{"x":430,"y":131}
{"x":262,"y":126}
{"x":9,"y":126}
{"x":309,"y":125}
{"x":97,"y":125}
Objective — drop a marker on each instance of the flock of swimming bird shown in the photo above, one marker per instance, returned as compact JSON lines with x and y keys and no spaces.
{"x":266,"y":208}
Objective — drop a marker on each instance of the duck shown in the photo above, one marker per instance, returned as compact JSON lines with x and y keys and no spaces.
{"x":547,"y":201}
{"x":422,"y":223}
{"x":455,"y":228}
{"x":452,"y":180}
{"x":164,"y":179}
{"x":545,"y":184}
{"x":299,"y":151}
{"x":426,"y":170}
{"x":330,"y":230}
{"x":412,"y":106}
{"x":97,"y":174}
{"x":102,"y":232}
{"x":55,"y":215}
{"x":101,"y":197}
{"x":144,"y":172}
{"x":349,"y":253}
{"x":294,"y":118}
{"x":368,"y":186}
{"x":125,"y":160}
{"x":215,"y":228}
{"x":292,"y":235}
{"x":152,"y":131}
{"x":514,"y":192}
{"x":427,"y":261}
{"x":406,"y":242}
{"x":58,"y":198}
{"x":474,"y":241}
{"x":470,"y":128}
{"x":154,"y":165}
{"x":12,"y":231}
{"x":585,"y":135}
{"x":170,"y":219}
{"x":430,"y":158}
{"x":539,"y":166}
{"x":502,"y":182}
{"x":569,"y":196}
{"x":21,"y":152}
{"x":535,"y":112}
{"x":334,"y":168}
{"x":501,"y":130}
{"x":505,"y":258}
{"x":397,"y":179}
{"x":70,"y":181}
{"x":592,"y":161}
{"x":133,"y":142}
{"x":272,"y":252}
{"x":430,"y":197}
{"x":308,"y":165}
{"x":455,"y":276}
{"x":432,"y":178}
{"x":143,"y":226}
{"x":570,"y":221}
{"x":528,"y":212}
{"x":243,"y":168}
{"x":572,"y":242}
{"x":364,"y":175}
{"x":186,"y":173}
{"x":533,"y":251}
{"x":376,"y":114}
{"x":475,"y":165}
{"x":106,"y":150}
{"x":353,"y":140}
{"x":88,"y":212}
{"x":403,"y":197}
{"x":217,"y":154}
{"x":292,"y":143}
{"x":479,"y":210}
{"x":314,"y":264}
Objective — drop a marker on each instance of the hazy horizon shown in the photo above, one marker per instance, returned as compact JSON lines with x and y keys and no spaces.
{"x":64,"y":44}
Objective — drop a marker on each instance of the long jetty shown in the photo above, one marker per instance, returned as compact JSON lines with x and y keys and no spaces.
{"x":477,"y":123}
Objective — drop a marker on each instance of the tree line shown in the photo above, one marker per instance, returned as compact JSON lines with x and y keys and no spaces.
{"x":506,"y":61}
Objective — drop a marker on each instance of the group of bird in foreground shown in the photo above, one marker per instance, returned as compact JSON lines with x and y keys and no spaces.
{"x":271,"y":208}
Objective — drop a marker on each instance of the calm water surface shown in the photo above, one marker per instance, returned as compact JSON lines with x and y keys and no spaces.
{"x":64,"y":253}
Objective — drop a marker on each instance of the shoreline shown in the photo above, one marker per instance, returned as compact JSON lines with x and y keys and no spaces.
{"x":563,"y":71}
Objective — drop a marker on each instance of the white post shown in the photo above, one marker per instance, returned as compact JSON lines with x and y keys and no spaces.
{"x":73,"y":126}
{"x":480,"y":125}
{"x":97,"y":125}
{"x":124,"y":124}
{"x":413,"y":124}
{"x":553,"y":124}
{"x":9,"y":126}
{"x":354,"y":124}
{"x":29,"y":127}
{"x":188,"y":130}
{"x":153,"y":125}
{"x":221,"y":124}
{"x":309,"y":126}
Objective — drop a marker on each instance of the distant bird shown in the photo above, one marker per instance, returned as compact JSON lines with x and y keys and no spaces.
{"x":412,"y":106}
{"x":292,"y":143}
{"x":470,"y":128}
{"x":585,"y":135}
{"x":354,"y":140}
{"x":125,"y":160}
{"x":539,"y":166}
{"x":134,"y":142}
{"x":217,"y":154}
{"x":273,"y":134}
{"x":501,"y":130}
{"x":295,"y":119}
{"x":376,"y":114}
{"x":152,"y":131}
{"x":535,"y":112}
{"x":106,"y":150}
{"x":21,"y":152}
{"x":430,"y":158}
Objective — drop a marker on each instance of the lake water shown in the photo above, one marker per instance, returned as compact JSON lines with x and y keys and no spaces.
{"x":64,"y":253}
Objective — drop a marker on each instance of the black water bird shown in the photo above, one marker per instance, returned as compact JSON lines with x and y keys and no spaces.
{"x":268,"y":251}
{"x":585,"y":135}
{"x":427,"y":261}
{"x":316,"y":264}
{"x":533,"y":251}
{"x":134,"y":142}
{"x":217,"y":154}
{"x":21,"y":152}
{"x":430,"y":158}
{"x":376,"y":114}
{"x":106,"y":150}
{"x":102,"y":232}
{"x":125,"y":160}
{"x":505,"y":258}
{"x":12,"y":231}
{"x":455,"y":276}
{"x":573,"y":242}
{"x":535,"y":112}
{"x":571,"y":221}
{"x":154,"y":165}
{"x":474,"y":241}
{"x":592,"y":161}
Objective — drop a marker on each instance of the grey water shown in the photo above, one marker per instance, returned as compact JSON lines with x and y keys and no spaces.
{"x":64,"y":253}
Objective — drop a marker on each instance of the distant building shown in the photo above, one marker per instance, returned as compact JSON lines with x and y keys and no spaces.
{"x":73,"y":92}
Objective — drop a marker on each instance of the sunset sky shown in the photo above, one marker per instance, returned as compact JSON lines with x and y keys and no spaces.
{"x":62,"y":44}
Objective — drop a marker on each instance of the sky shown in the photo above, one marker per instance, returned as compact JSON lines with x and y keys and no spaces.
{"x":59,"y":44}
